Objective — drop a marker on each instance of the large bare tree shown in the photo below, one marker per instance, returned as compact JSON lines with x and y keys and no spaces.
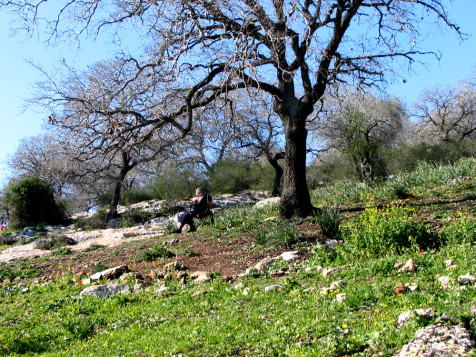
{"x":201,"y":50}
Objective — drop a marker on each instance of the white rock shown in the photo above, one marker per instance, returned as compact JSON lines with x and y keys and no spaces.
{"x":444,"y":281}
{"x":272,"y":288}
{"x":466,"y":279}
{"x":403,"y":318}
{"x":338,"y":284}
{"x":105,"y":290}
{"x":288,"y":256}
{"x":341,"y":297}
{"x":329,"y":271}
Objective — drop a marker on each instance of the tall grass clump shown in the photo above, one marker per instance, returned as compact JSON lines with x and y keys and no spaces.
{"x":329,"y":219}
{"x":381,"y":232}
{"x":427,"y":175}
{"x":339,"y":192}
{"x":277,"y":233}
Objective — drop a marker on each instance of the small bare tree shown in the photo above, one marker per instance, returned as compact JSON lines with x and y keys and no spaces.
{"x":359,"y":124}
{"x":447,"y":113}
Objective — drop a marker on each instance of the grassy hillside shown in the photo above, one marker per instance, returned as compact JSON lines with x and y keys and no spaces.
{"x":428,"y":216}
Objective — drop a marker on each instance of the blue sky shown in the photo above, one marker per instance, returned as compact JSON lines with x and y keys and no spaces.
{"x":17,"y":76}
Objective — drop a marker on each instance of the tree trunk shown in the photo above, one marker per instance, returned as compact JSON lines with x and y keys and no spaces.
{"x":295,"y":198}
{"x":278,"y":173}
{"x":116,"y":194}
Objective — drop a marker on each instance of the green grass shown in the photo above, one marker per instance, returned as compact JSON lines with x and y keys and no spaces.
{"x":50,"y":320}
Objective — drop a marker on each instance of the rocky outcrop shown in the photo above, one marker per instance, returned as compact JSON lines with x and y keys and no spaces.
{"x":441,"y":339}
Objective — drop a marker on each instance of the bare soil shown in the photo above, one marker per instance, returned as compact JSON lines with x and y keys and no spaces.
{"x":197,"y":251}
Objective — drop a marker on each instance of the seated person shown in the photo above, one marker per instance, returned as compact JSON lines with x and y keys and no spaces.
{"x":200,"y":208}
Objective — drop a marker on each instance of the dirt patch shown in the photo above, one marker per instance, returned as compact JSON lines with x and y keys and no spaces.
{"x":198,"y":251}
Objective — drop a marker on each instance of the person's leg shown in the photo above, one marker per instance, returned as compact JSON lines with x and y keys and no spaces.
{"x":187,"y":218}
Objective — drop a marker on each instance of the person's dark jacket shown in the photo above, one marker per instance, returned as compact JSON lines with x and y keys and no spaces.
{"x":203,"y":206}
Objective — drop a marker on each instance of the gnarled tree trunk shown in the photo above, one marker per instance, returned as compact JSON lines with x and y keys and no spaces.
{"x":295,"y":198}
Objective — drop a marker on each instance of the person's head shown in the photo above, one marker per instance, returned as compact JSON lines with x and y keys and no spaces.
{"x":199,"y":191}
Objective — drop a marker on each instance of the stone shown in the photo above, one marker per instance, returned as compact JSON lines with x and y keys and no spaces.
{"x":267,"y":201}
{"x":200,"y":293}
{"x":426,"y":313}
{"x":329,"y":271}
{"x":410,"y":266}
{"x":449,"y":264}
{"x":444,"y":281}
{"x":264,"y":264}
{"x":181,"y":275}
{"x":273,"y":288}
{"x":338,"y":284}
{"x":403,"y":318}
{"x":200,"y":277}
{"x":289,"y":256}
{"x":331,"y":243}
{"x":105,"y":290}
{"x":466,"y":279}
{"x":161,"y":290}
{"x":398,"y":264}
{"x":174,"y":266}
{"x":411,"y":286}
{"x":109,"y":274}
{"x":341,"y":297}
{"x":399,"y":289}
{"x":133,"y":275}
{"x":438,"y":340}
{"x":171,"y":242}
{"x":277,"y":274}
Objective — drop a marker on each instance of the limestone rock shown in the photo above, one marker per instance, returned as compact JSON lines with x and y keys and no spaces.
{"x":466,"y":279}
{"x":105,"y":290}
{"x":200,"y":277}
{"x":399,"y":289}
{"x":264,"y":264}
{"x":288,"y":256}
{"x":403,"y":318}
{"x":174,"y":266}
{"x":272,"y":288}
{"x":341,"y":297}
{"x":109,"y":274}
{"x":338,"y":284}
{"x":398,"y":264}
{"x":444,"y":281}
{"x":438,"y":340}
{"x":410,"y":266}
{"x":329,"y":271}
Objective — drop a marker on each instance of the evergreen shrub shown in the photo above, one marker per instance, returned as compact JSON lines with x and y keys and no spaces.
{"x":31,"y":202}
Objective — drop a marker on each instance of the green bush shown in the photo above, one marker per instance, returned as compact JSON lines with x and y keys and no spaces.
{"x":133,"y":216}
{"x":407,"y":158}
{"x":380,"y":232}
{"x":178,"y":183}
{"x":97,"y":220}
{"x":230,"y":176}
{"x":31,"y":201}
{"x":155,"y":253}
